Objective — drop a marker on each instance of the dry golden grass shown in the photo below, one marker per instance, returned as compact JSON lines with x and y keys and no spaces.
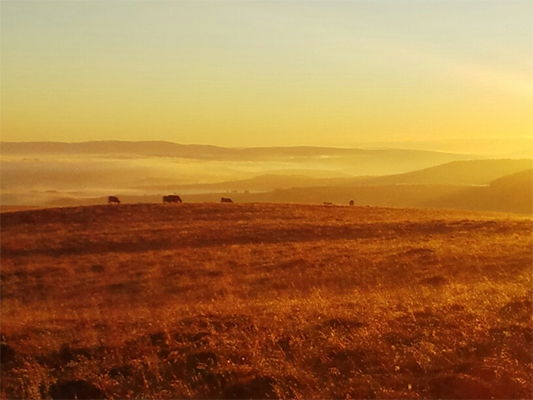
{"x":265,"y":301}
{"x":4,"y":208}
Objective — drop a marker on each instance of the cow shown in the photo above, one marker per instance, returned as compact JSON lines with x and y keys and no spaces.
{"x":113,"y":200}
{"x":225,"y":200}
{"x":172,"y":198}
{"x":352,"y":203}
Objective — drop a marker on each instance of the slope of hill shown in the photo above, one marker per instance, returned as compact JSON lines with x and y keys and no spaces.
{"x":264,"y":301}
{"x":468,"y":172}
{"x":514,"y":181}
{"x":473,"y":172}
{"x":511,"y":193}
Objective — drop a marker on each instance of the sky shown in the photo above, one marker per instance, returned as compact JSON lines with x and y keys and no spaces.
{"x":267,"y":73}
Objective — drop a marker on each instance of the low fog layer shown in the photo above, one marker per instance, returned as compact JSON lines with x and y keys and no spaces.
{"x":57,"y":174}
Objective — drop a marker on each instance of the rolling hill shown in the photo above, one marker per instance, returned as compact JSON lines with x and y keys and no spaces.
{"x":471,"y":172}
{"x":467,"y":172}
{"x":511,"y":193}
{"x":68,"y":174}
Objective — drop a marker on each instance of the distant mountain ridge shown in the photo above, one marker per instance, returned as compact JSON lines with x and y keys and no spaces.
{"x":171,"y":149}
{"x":340,"y":162}
{"x":148,"y":148}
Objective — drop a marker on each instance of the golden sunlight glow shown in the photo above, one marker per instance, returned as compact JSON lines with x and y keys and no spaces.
{"x":255,"y":74}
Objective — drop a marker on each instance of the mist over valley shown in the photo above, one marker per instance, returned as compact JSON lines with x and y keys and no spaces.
{"x":66,"y":174}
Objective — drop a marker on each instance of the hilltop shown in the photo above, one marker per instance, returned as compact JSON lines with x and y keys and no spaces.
{"x":265,"y":301}
{"x":466,"y":172}
{"x":510,"y":193}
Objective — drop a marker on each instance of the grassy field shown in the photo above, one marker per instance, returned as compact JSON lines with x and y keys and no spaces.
{"x":265,"y":301}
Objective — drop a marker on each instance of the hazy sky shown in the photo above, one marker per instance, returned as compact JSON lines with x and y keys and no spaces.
{"x":256,"y":73}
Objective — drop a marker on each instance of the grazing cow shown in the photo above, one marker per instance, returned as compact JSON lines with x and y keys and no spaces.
{"x":327,"y":203}
{"x":352,"y":203}
{"x":226,"y":200}
{"x":172,"y":199}
{"x":113,"y":200}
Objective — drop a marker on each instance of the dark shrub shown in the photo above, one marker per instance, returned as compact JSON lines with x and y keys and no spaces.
{"x":76,"y":389}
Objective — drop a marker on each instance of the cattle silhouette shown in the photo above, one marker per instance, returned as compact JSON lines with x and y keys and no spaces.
{"x":352,"y":203}
{"x":226,"y":200}
{"x":113,"y":200}
{"x":172,"y":199}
